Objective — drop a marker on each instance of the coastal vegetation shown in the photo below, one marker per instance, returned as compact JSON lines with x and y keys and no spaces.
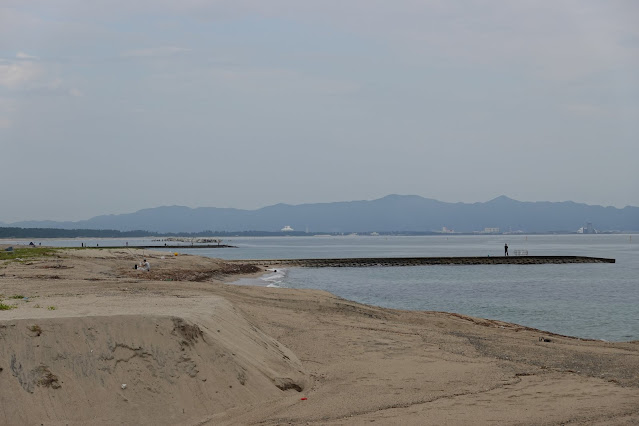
{"x":5,"y":307}
{"x":14,"y":232}
{"x":23,"y":253}
{"x":52,"y":233}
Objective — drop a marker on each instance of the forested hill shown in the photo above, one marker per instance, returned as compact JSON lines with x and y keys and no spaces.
{"x":13,"y":232}
{"x":393,"y":213}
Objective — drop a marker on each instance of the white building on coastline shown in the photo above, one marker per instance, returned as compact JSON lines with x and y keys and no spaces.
{"x":490,"y":231}
{"x":587,"y":229}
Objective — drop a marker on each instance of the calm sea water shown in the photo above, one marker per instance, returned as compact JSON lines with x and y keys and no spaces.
{"x":597,"y":301}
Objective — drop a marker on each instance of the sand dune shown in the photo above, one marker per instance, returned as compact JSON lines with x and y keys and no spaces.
{"x":195,"y":350}
{"x":140,"y":368}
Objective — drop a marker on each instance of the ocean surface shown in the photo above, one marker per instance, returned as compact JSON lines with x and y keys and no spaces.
{"x":595,"y":301}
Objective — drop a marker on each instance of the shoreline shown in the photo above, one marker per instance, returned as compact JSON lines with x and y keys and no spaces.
{"x":257,"y":280}
{"x":193,"y":349}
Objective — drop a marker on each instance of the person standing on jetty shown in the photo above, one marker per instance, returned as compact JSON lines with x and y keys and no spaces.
{"x":505,"y":249}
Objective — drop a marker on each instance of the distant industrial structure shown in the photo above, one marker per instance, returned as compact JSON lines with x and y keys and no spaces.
{"x":490,"y":231}
{"x":287,"y":229}
{"x":587,"y":229}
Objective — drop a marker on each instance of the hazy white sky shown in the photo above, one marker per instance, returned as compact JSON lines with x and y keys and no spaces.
{"x":113,"y":106}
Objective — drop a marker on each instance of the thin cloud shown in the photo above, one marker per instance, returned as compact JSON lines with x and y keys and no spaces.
{"x":25,"y":74}
{"x":22,"y":55}
{"x":77,"y":93}
{"x":154,"y":52}
{"x":276,"y":80}
{"x":20,"y":75}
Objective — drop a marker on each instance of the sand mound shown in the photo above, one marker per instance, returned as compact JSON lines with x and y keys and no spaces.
{"x":139,"y":369}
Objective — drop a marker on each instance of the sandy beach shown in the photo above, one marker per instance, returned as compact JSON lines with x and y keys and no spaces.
{"x":93,"y":341}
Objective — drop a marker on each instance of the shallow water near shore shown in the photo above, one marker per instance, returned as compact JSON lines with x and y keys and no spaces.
{"x":595,"y":301}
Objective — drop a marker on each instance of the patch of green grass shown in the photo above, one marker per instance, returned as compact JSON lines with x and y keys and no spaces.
{"x":51,"y":308}
{"x":24,"y":253}
{"x":4,"y":307}
{"x":17,"y":296}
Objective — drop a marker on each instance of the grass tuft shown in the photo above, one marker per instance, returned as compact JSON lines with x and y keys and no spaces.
{"x":23,"y":253}
{"x":4,"y":307}
{"x":36,"y":329}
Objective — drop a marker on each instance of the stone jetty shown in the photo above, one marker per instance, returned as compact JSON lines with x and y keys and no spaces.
{"x":416,"y":261}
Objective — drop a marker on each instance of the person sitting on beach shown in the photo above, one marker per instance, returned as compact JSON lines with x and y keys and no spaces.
{"x":145,"y":265}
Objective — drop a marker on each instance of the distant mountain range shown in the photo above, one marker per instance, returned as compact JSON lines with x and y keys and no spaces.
{"x":393,"y":213}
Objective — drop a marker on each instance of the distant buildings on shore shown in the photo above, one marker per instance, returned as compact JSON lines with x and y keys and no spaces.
{"x":490,"y":231}
{"x":446,"y":230}
{"x":587,"y":229}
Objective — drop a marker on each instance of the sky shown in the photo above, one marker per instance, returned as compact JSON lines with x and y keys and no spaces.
{"x":109,"y":107}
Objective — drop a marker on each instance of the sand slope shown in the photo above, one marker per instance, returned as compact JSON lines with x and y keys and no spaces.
{"x":69,"y":370}
{"x":180,"y":357}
